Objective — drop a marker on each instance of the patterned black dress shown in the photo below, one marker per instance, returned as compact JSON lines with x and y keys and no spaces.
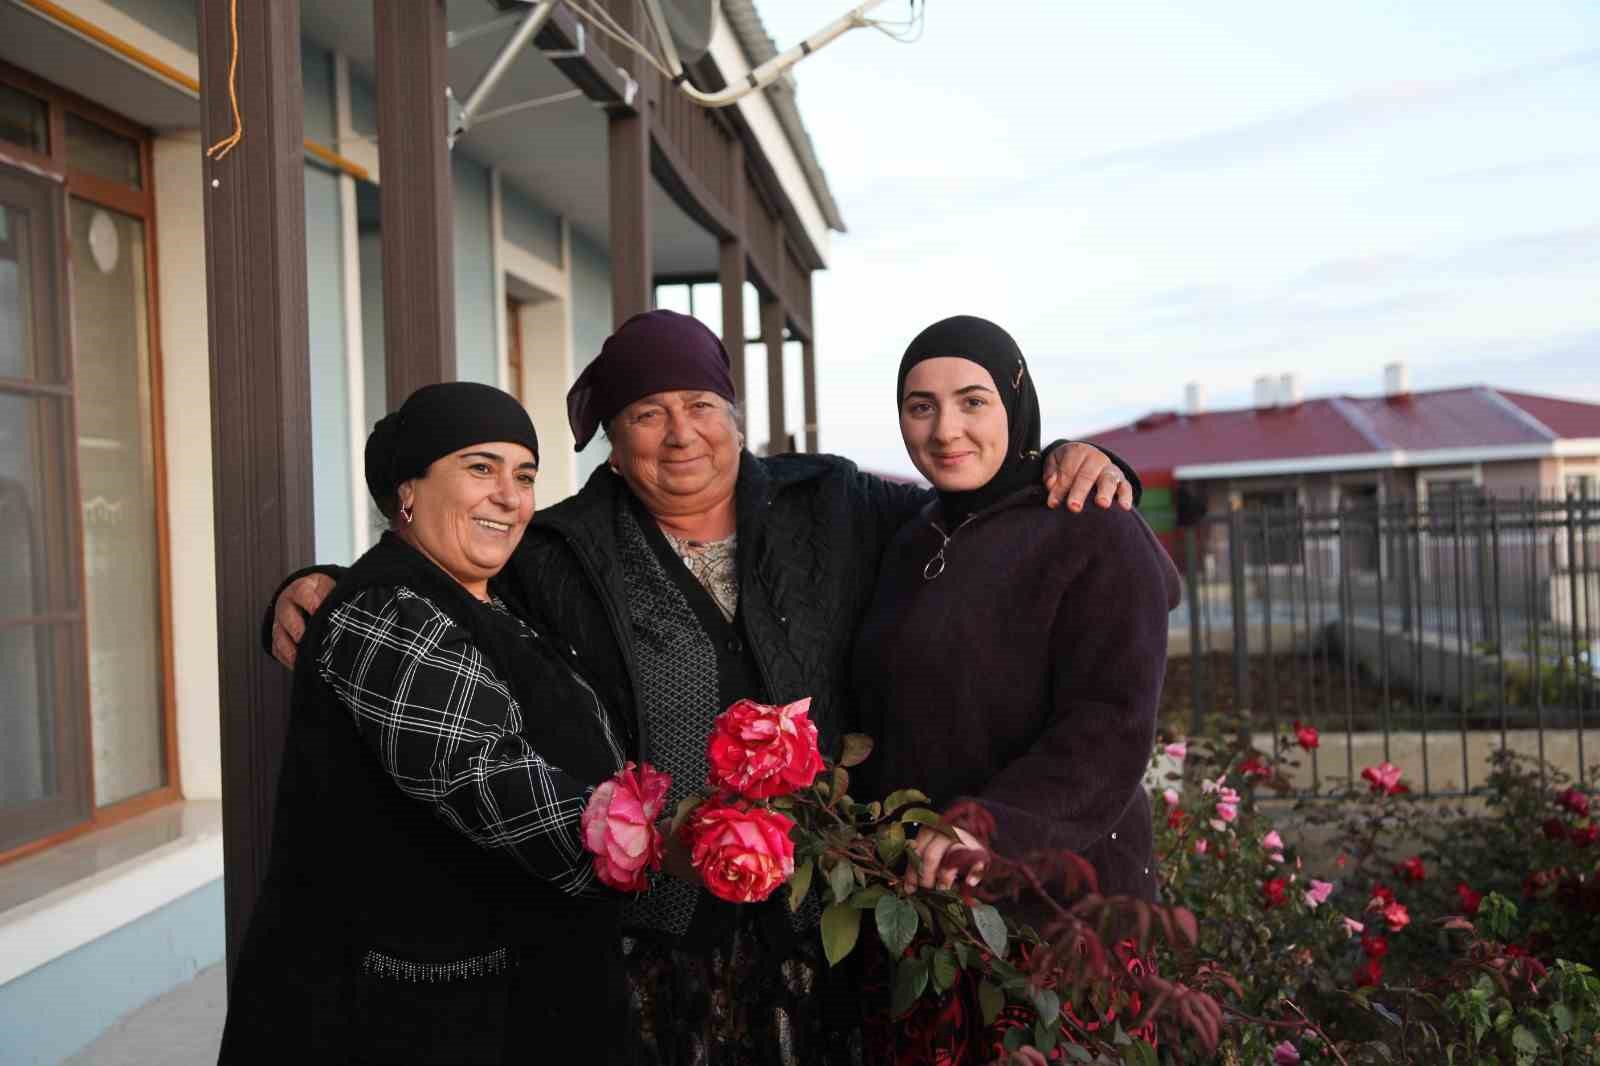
{"x":712,"y":983}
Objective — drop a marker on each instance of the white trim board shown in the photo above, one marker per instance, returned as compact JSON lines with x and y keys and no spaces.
{"x":44,"y":929}
{"x":1317,"y":464}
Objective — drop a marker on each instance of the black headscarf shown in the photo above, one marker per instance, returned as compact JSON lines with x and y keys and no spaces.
{"x":981,"y":341}
{"x":435,"y":421}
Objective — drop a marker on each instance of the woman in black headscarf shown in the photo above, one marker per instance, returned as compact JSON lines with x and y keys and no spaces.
{"x":428,"y":897}
{"x":1007,"y":657}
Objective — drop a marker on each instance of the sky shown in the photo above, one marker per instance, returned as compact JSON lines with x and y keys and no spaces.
{"x":1149,"y":193}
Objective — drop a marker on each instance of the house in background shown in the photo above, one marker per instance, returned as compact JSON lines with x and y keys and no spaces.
{"x":1330,"y":452}
{"x":111,"y":856}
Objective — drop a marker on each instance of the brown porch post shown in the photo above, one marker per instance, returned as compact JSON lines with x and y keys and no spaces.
{"x":260,"y":405}
{"x":808,"y":355}
{"x":419,"y":311}
{"x":731,"y":271}
{"x":631,"y":278}
{"x":772,"y":333}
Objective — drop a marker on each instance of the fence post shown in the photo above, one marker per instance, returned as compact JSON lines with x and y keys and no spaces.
{"x":1241,"y":621}
{"x":1197,"y":657}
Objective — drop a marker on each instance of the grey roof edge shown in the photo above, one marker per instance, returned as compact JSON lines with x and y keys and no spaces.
{"x":1516,"y":412}
{"x":759,"y":47}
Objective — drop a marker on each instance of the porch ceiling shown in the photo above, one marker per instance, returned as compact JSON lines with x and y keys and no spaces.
{"x":555,"y":154}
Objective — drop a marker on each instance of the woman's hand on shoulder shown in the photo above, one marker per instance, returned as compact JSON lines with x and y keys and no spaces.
{"x":297,"y":602}
{"x":1074,"y":471}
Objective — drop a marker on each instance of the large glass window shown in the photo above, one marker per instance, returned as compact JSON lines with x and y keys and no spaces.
{"x":116,"y":472}
{"x":42,"y":784}
{"x":85,"y":718}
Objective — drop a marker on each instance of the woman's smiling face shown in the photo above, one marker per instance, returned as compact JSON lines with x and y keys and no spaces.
{"x":470,"y":509}
{"x":953,"y":423}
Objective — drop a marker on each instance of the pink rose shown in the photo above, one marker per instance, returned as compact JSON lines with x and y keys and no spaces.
{"x":1352,"y":927}
{"x":1272,"y":841}
{"x":1171,"y":796}
{"x":1397,"y":917}
{"x":1285,"y":1055}
{"x":1228,"y":795}
{"x":743,"y":854}
{"x":759,"y":751}
{"x":1227,"y":811}
{"x":619,"y":826}
{"x":1318,"y":893}
{"x":1385,"y":778}
{"x":1178,"y":749}
{"x":1200,"y":846}
{"x":1306,"y":736}
{"x":1574,"y":801}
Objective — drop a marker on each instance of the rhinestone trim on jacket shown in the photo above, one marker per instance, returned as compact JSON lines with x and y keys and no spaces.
{"x":380,"y":964}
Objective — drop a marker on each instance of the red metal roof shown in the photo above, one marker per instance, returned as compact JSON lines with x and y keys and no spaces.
{"x":1474,"y":417}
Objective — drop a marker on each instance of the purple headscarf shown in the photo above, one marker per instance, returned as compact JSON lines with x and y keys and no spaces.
{"x":655,"y":351}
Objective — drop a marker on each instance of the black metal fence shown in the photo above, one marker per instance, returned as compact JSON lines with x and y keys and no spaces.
{"x":1427,"y":636}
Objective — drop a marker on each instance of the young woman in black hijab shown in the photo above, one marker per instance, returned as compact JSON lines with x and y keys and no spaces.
{"x":1010,"y":657}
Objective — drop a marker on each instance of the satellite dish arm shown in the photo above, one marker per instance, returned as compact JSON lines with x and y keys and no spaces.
{"x":766,"y":73}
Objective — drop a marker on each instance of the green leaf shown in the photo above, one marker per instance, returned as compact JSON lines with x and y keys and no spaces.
{"x":990,"y":1000}
{"x":1046,"y":1002}
{"x":868,"y":897}
{"x":841,"y":925}
{"x":1079,"y":1053}
{"x":891,"y":842}
{"x":944,"y":969}
{"x":1526,"y":1043}
{"x":800,"y":884}
{"x":897,"y":924}
{"x":685,"y":808}
{"x":991,"y":927}
{"x":904,"y":797}
{"x":921,"y":816}
{"x":1044,"y":1036}
{"x":1563,"y":1017}
{"x":842,"y":880}
{"x":910,"y":979}
{"x":963,"y":953}
{"x":839,"y":785}
{"x":857,"y":746}
{"x":1013,"y":1040}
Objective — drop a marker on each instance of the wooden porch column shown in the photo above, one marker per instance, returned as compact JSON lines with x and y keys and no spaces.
{"x":772,"y":334}
{"x":808,"y":355}
{"x":731,"y":271}
{"x":419,"y":309}
{"x":260,"y":405}
{"x":631,"y":276}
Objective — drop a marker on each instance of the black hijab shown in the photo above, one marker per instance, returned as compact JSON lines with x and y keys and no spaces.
{"x":981,"y":341}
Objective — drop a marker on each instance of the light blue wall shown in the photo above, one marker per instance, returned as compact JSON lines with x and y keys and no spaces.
{"x":529,"y":226}
{"x":316,"y":78}
{"x":52,"y":1012}
{"x":330,"y":393}
{"x":477,"y":358}
{"x":591,"y":325}
{"x":176,"y":20}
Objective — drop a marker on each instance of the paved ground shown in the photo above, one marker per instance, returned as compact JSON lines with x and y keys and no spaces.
{"x":182,"y":1028}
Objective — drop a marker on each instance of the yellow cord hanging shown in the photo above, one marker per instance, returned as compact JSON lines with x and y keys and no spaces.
{"x":224,"y":146}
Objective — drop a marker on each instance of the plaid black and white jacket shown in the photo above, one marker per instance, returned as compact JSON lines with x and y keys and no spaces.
{"x":449,"y":732}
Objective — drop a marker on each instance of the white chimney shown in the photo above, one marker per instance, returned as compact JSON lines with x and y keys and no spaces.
{"x":1289,"y":390}
{"x":1396,"y":382}
{"x":1266,"y":392}
{"x":1194,"y":398}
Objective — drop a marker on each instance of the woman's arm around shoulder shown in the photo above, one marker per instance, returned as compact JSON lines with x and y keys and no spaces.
{"x":448,"y":732}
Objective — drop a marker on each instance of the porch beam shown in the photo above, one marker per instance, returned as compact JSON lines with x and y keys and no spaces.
{"x":808,"y":355}
{"x":628,"y":137}
{"x":260,"y":405}
{"x":772,"y":333}
{"x":419,"y":314}
{"x":731,"y":252}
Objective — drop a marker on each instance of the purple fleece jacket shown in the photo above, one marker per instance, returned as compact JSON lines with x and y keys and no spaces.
{"x":1026,"y":675}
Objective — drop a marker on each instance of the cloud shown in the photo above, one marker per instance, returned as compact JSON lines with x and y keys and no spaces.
{"x":1525,"y":168}
{"x":1330,"y":118}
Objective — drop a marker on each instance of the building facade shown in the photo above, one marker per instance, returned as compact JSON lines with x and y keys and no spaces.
{"x":111,"y":779}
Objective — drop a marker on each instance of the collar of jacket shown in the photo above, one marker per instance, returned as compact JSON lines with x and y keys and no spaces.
{"x":1030,"y":496}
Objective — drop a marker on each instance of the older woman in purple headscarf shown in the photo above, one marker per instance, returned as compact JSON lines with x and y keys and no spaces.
{"x":689,"y":573}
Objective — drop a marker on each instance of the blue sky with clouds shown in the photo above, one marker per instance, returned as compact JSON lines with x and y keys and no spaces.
{"x":1149,"y":193}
